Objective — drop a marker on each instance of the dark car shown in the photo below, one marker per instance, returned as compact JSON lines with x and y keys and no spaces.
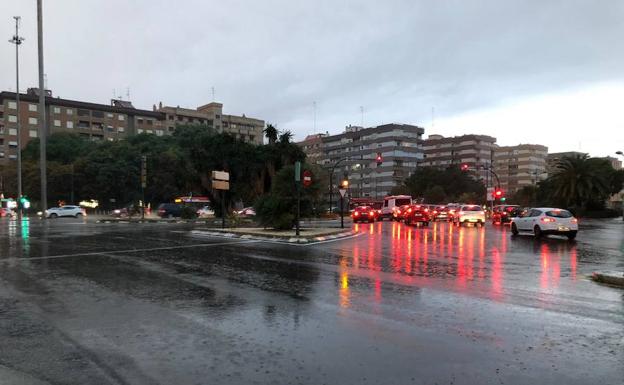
{"x":364,"y":214}
{"x":443,"y":213}
{"x":169,"y":210}
{"x":502,"y":214}
{"x":417,"y":214}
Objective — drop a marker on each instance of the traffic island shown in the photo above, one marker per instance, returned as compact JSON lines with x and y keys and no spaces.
{"x":613,"y":278}
{"x":306,"y":235}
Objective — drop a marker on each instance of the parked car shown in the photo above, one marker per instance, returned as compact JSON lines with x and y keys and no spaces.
{"x":417,"y":214}
{"x":169,"y":210}
{"x":469,"y":214}
{"x":65,"y":211}
{"x":247,"y":212}
{"x":503,"y":213}
{"x":364,"y":214}
{"x":545,"y":221}
{"x":205,"y":212}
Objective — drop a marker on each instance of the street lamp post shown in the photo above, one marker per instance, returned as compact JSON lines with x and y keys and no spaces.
{"x":17,"y":40}
{"x":331,"y":181}
{"x":620,"y":153}
{"x":42,"y":115}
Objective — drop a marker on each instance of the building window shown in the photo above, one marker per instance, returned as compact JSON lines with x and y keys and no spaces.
{"x":12,"y":105}
{"x":69,"y":111}
{"x":32,"y":107}
{"x":70,"y":124}
{"x":140,"y":120}
{"x":109,"y":115}
{"x":159,"y":132}
{"x":32,"y":121}
{"x":217,"y":116}
{"x":170,"y":117}
{"x":149,"y":131}
{"x":150,"y":122}
{"x":32,"y":133}
{"x":56,"y":110}
{"x":13,"y":118}
{"x":110,"y":129}
{"x":12,"y":156}
{"x":12,"y":144}
{"x":57,"y":123}
{"x":120,"y":129}
{"x":121,"y":117}
{"x":83,"y":112}
{"x":12,"y":131}
{"x":139,"y":131}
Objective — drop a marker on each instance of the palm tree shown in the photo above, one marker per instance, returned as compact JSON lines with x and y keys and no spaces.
{"x":579,"y":180}
{"x":285,"y":137}
{"x":270,"y":132}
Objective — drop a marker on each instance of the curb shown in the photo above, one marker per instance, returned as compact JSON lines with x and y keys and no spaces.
{"x":291,"y":240}
{"x":612,"y":278}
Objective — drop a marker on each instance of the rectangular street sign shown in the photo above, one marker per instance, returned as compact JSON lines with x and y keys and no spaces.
{"x":297,"y":171}
{"x":220,"y":185}
{"x":220,"y":175}
{"x":489,"y":195}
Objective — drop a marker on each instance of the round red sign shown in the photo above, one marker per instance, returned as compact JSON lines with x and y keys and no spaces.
{"x":307,"y":178}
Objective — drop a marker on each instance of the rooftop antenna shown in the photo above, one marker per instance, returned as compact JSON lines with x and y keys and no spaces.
{"x":314,"y":105}
{"x":432,"y":117}
{"x":213,"y":95}
{"x":128,"y":93}
{"x":362,"y":112}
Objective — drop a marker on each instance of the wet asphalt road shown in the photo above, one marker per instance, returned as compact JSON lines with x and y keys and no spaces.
{"x":85,"y":303}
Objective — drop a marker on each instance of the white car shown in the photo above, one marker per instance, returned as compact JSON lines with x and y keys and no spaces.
{"x":469,"y":214}
{"x":247,"y":212}
{"x":544,"y":221}
{"x":65,"y":211}
{"x":205,"y":211}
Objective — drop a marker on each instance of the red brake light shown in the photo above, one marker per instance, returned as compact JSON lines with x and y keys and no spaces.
{"x":548,"y":220}
{"x":574,"y":220}
{"x":426,"y":210}
{"x":409,"y":210}
{"x":371,"y":213}
{"x":356,"y":213}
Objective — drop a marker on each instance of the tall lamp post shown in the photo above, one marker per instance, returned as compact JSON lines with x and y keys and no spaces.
{"x":43,"y":135}
{"x":17,"y":40}
{"x":620,"y":153}
{"x":331,"y":181}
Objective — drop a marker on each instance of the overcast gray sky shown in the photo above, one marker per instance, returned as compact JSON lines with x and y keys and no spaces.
{"x":547,"y":72}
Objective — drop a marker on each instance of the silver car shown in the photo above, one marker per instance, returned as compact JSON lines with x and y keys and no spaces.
{"x":65,"y":211}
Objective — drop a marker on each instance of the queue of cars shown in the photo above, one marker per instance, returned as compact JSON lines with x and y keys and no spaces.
{"x":535,"y":221}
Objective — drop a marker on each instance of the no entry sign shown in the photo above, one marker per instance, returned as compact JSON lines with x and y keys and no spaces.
{"x":307,"y":178}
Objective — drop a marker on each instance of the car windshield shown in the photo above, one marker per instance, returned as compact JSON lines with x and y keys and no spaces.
{"x":363,"y":208}
{"x":471,"y":208}
{"x":559,"y":214}
{"x":403,"y":201}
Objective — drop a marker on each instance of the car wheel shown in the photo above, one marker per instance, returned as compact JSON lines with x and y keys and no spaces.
{"x":170,"y":216}
{"x":514,"y":229}
{"x":53,"y":215}
{"x":78,"y":215}
{"x":537,"y":231}
{"x":571,"y":235}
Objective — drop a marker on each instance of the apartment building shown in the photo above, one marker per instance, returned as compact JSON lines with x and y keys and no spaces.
{"x":90,"y":120}
{"x":554,"y":157}
{"x":211,"y":114}
{"x":473,"y":150}
{"x":353,"y":155}
{"x":520,"y":166}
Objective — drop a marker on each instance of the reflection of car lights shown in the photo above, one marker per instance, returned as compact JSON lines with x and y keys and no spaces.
{"x":548,"y":220}
{"x":574,"y":220}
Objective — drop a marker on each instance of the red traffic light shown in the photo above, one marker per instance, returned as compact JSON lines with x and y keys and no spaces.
{"x":464,"y":167}
{"x":379,"y":159}
{"x":498,"y":193}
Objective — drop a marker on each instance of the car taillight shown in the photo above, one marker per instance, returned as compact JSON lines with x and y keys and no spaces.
{"x":435,"y":212}
{"x":426,"y":210}
{"x":409,"y":210}
{"x":574,"y":220}
{"x":356,"y":213}
{"x":548,"y":220}
{"x":504,"y":214}
{"x":461,"y":213}
{"x":371,"y":213}
{"x":452,"y":211}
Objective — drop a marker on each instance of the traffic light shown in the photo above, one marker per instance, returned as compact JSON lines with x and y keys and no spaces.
{"x":379,"y":159}
{"x":24,"y":202}
{"x":464,"y":167}
{"x":499,"y":194}
{"x":344,"y":184}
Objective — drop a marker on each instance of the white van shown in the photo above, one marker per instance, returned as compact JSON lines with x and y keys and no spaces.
{"x":393,"y":201}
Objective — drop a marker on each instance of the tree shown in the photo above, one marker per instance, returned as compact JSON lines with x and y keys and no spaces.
{"x":270,"y":132}
{"x":285,"y":137}
{"x":277,"y":209}
{"x":580,"y":181}
{"x":526,"y":196}
{"x":448,"y":183}
{"x":435,"y":194}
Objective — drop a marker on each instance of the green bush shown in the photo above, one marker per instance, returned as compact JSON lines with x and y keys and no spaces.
{"x":271,"y":211}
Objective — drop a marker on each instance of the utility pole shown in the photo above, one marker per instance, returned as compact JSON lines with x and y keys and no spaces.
{"x":17,"y":40}
{"x":314,"y":105}
{"x":43,"y":135}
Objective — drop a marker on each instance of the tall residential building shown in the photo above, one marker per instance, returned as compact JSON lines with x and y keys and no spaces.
{"x":474,"y":150}
{"x":90,"y":120}
{"x":553,"y":158}
{"x":520,"y":166}
{"x":353,"y":154}
{"x":244,"y":128}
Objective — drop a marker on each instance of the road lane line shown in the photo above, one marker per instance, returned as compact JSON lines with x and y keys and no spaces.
{"x":126,"y":251}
